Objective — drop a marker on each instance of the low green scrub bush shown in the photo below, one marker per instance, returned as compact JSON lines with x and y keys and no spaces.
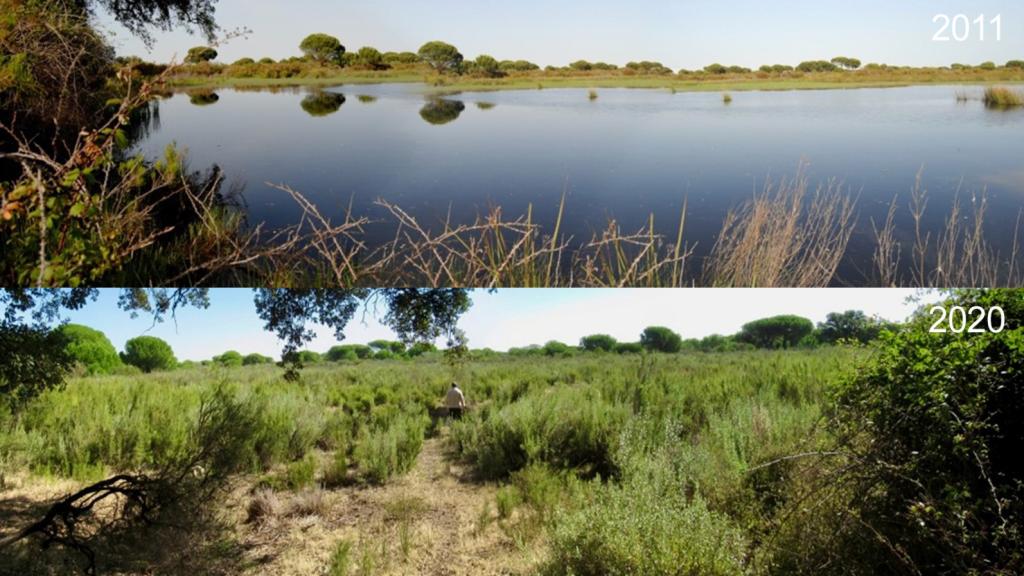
{"x":546,"y":491}
{"x":572,"y":428}
{"x":336,"y":473}
{"x":645,"y":527}
{"x":507,"y":499}
{"x":301,"y":474}
{"x":384,"y":452}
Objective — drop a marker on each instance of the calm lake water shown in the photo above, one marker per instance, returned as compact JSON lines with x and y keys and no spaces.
{"x":625,"y":155}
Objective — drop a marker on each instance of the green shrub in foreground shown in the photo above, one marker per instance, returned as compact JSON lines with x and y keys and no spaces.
{"x":389,"y":450}
{"x":572,"y":428}
{"x":937,"y":422}
{"x":644,"y":528}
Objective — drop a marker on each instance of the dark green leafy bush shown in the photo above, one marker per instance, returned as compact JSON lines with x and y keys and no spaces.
{"x":934,"y":484}
{"x":32,"y":360}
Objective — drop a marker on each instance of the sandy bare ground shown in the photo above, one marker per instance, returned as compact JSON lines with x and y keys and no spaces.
{"x":436,"y":506}
{"x":24,"y":500}
{"x":433,"y":520}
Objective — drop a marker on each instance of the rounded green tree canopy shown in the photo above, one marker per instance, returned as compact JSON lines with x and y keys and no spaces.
{"x":254,"y":359}
{"x":776,"y":332}
{"x":200,"y":54}
{"x":348,"y":352}
{"x":149,"y":353}
{"x":421,"y":348}
{"x":598,"y":342}
{"x":488,"y":66}
{"x":231,"y":358}
{"x":90,"y":348}
{"x":404,"y":58}
{"x":661,"y":339}
{"x":441,"y":56}
{"x":851,"y":326}
{"x":556,"y":348}
{"x":370,"y":58}
{"x":322,"y":48}
{"x":32,"y":360}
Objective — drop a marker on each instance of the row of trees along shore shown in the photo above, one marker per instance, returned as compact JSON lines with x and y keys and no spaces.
{"x":442,"y":57}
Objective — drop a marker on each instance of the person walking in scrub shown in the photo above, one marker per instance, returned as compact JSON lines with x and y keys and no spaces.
{"x":455,"y":401}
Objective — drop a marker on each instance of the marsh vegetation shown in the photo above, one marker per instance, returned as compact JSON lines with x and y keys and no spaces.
{"x":1001,"y":97}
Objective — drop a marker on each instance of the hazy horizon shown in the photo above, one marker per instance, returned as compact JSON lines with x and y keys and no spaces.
{"x":681,"y":34}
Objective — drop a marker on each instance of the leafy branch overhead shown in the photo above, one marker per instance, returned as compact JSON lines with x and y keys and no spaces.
{"x":416,"y":315}
{"x":141,"y":16}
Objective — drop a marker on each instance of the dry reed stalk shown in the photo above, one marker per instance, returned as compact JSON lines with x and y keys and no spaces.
{"x":489,"y":252}
{"x":960,"y":255}
{"x":886,"y":258}
{"x":783,"y":238}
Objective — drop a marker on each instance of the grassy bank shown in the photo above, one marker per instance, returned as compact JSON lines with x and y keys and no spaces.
{"x":692,"y":82}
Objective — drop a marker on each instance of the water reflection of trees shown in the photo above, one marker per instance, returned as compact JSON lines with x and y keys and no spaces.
{"x":271,"y":89}
{"x":367,"y":99}
{"x":441,"y":111}
{"x":322,"y":103}
{"x":203,"y":97}
{"x":143,"y":121}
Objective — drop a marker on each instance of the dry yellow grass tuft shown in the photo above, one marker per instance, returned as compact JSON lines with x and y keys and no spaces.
{"x":263,"y":507}
{"x":1001,"y":97}
{"x":783,"y":236}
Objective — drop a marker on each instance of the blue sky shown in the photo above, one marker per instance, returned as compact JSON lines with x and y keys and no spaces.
{"x":679,"y":33}
{"x":507,"y":318}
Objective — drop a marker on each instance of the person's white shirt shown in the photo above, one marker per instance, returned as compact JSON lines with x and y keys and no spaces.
{"x":454,"y":398}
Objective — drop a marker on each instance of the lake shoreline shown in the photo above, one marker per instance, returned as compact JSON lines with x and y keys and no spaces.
{"x":442,"y":85}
